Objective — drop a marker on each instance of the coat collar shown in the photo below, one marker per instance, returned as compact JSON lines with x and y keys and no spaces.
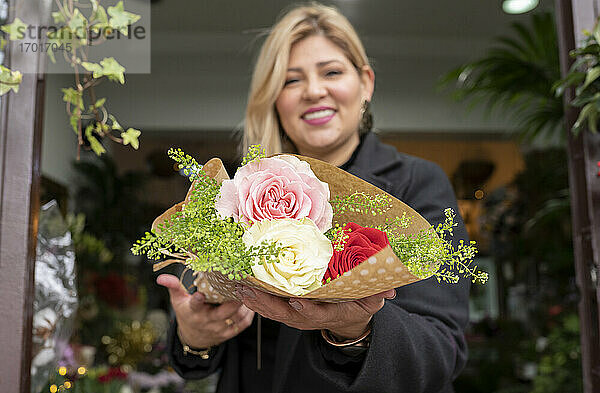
{"x":373,"y":160}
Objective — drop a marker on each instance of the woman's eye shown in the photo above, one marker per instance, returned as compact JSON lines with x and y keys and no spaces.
{"x":290,"y":81}
{"x":333,"y":73}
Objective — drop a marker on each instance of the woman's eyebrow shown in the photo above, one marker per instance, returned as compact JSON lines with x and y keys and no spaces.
{"x":319,"y":65}
{"x":324,"y":63}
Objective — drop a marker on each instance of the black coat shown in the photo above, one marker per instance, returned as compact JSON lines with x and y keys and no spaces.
{"x":417,"y":344}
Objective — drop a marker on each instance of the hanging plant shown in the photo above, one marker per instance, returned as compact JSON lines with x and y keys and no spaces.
{"x":9,"y":80}
{"x":76,"y":22}
{"x":584,"y":74}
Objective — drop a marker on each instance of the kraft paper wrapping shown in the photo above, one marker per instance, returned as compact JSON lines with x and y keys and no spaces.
{"x":380,"y":272}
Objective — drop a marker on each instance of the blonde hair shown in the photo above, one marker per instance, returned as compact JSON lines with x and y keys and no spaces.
{"x":261,"y":125}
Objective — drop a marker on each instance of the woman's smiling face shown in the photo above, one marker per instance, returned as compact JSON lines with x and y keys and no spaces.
{"x":320,"y":104}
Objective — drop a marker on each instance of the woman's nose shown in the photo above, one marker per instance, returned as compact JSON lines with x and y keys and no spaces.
{"x":314,"y":89}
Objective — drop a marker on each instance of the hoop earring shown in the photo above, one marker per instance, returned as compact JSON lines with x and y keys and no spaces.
{"x":366,"y":118}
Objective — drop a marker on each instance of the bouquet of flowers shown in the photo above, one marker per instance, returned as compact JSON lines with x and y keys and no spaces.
{"x":295,"y":226}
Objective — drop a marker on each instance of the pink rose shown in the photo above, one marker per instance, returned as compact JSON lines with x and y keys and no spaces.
{"x":275,"y":188}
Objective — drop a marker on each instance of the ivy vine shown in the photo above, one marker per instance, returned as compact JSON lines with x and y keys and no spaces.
{"x":75,"y":23}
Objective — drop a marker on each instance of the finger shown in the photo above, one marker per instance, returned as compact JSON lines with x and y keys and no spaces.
{"x":177,"y":291}
{"x":372,"y":304}
{"x":246,"y":320}
{"x":269,"y":306}
{"x":197,"y":302}
{"x":317,"y":313}
{"x":241,"y":313}
{"x":238,"y":326}
{"x":224,"y":311}
{"x":389,"y":294}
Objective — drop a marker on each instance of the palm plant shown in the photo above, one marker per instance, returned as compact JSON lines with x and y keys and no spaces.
{"x":516,"y":77}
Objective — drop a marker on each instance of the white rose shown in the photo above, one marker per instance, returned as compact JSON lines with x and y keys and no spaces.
{"x":303,"y":259}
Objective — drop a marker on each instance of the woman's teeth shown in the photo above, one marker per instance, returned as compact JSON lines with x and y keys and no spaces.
{"x":318,"y":114}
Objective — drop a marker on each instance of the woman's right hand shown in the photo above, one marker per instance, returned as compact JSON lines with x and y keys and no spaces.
{"x":202,"y":325}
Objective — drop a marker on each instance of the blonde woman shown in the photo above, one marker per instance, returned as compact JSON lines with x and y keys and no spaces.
{"x":310,"y":94}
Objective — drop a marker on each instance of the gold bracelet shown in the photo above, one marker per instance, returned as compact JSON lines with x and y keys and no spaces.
{"x":203,"y":353}
{"x":362,"y":341}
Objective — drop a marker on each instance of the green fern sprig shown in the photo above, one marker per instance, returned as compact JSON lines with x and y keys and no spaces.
{"x":209,"y":242}
{"x":190,"y":166}
{"x":430,"y":252}
{"x":360,"y":202}
{"x":255,"y":152}
{"x":338,"y":237}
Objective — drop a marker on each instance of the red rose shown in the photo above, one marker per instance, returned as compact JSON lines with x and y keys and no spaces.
{"x":360,"y":245}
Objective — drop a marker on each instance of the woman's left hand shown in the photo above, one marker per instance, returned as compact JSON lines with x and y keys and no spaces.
{"x":346,"y":320}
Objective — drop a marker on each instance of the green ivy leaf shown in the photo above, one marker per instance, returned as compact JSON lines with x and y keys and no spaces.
{"x":93,"y":67}
{"x":74,"y":120}
{"x":78,"y":24}
{"x":53,"y":38}
{"x":108,"y":67}
{"x":74,"y":97}
{"x":115,"y":123}
{"x":64,"y":36}
{"x":15,"y":30}
{"x":9,"y":80}
{"x":99,"y":103}
{"x":94,"y":143}
{"x":131,"y":137}
{"x":113,"y":70}
{"x":100,"y":129}
{"x":58,"y":17}
{"x":99,"y":16}
{"x":121,"y":19}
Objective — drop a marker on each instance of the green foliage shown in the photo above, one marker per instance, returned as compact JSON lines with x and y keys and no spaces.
{"x":359,"y":202}
{"x":585,"y":74}
{"x":516,"y":77}
{"x":120,"y":19}
{"x":254,"y":153}
{"x":110,"y":280}
{"x":87,"y":245}
{"x":338,"y":237}
{"x":71,"y":35}
{"x":198,"y":236}
{"x":15,"y":29}
{"x":529,"y":226}
{"x":130,"y":137}
{"x":9,"y":80}
{"x":559,"y":369}
{"x":430,"y":252}
{"x":186,"y":162}
{"x":112,"y":202}
{"x":108,"y":67}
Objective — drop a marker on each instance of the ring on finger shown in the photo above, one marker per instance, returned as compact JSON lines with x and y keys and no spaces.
{"x":229,"y":322}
